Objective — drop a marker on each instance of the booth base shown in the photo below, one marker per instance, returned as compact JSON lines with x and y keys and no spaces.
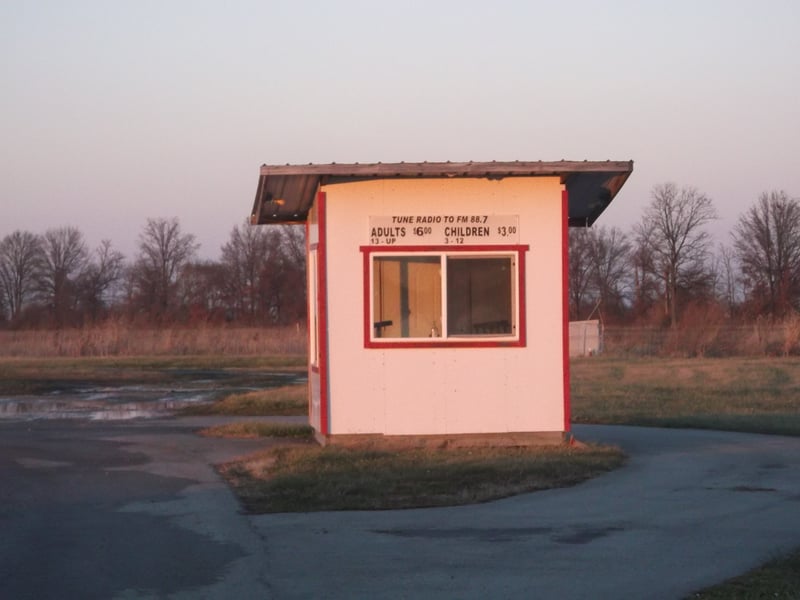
{"x":464,"y":440}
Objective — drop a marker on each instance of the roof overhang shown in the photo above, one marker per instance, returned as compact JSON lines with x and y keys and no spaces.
{"x":286,"y":193}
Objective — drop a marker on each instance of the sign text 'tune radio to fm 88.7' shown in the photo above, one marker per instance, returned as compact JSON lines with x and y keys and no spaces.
{"x":443,"y":230}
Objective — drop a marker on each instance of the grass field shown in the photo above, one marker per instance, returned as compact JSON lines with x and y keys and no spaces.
{"x":251,"y":429}
{"x":116,"y":338}
{"x":280,"y":401}
{"x":759,"y":395}
{"x":44,"y":375}
{"x":779,"y":579}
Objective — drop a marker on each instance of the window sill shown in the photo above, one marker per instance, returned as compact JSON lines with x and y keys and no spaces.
{"x":473,"y":342}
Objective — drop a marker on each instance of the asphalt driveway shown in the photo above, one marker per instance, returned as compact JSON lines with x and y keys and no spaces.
{"x":691,"y":508}
{"x":133,"y":510}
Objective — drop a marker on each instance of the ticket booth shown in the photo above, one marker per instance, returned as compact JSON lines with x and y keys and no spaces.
{"x":437,"y":293}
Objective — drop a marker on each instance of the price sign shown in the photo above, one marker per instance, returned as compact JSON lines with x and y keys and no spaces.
{"x":443,"y":230}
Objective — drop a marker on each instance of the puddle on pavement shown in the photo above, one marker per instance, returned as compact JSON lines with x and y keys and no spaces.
{"x":130,"y":402}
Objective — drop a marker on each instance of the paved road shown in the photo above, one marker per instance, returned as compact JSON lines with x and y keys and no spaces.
{"x":132,"y":510}
{"x":127,"y":509}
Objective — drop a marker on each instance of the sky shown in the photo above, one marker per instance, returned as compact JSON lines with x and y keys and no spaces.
{"x":113,"y":112}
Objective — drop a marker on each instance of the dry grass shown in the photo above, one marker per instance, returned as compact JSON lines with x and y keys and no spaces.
{"x":280,"y":401}
{"x":249,"y":430}
{"x":43,"y":375}
{"x":115,"y":339}
{"x":703,"y":336}
{"x":739,"y":394}
{"x":778,"y":579}
{"x":301,"y":479}
{"x":706,"y":334}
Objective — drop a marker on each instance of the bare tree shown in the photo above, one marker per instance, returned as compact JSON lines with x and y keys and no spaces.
{"x":766,"y":241}
{"x":580,"y":272}
{"x":202,"y":289}
{"x":285,"y":277}
{"x":4,"y":311}
{"x":245,"y":256}
{"x":608,"y":253}
{"x":293,"y":244}
{"x":20,"y":259}
{"x":726,"y":280}
{"x":163,"y":250}
{"x":644,"y":278}
{"x":266,"y":272}
{"x":64,"y":257}
{"x":104,"y":269}
{"x":673,"y":227}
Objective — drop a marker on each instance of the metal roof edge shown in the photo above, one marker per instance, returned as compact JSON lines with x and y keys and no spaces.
{"x":464,"y":169}
{"x":286,"y":193}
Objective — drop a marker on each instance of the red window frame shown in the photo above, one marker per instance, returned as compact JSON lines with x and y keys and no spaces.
{"x":520,"y":341}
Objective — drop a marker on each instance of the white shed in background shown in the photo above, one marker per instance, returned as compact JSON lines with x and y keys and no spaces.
{"x":585,"y":338}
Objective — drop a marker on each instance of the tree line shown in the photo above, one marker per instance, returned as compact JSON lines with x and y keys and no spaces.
{"x":54,"y":279}
{"x":662,"y":272}
{"x":667,"y":268}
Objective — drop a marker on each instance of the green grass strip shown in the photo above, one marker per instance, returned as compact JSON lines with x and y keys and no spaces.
{"x":779,"y":579}
{"x":257,"y":430}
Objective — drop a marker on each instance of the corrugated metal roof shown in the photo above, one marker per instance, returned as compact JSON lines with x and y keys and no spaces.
{"x":286,"y":193}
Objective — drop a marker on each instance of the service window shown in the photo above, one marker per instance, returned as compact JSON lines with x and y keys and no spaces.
{"x":443,"y":298}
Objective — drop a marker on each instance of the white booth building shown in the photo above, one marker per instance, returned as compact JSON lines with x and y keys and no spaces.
{"x":438,"y":293}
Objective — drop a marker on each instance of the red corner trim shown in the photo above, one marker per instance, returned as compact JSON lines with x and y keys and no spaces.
{"x":522,"y":321}
{"x":322,"y":306}
{"x":565,"y":303}
{"x":367,"y":300}
{"x":309,"y":332}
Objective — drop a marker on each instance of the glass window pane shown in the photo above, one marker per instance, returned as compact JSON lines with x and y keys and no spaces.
{"x":407,"y":297}
{"x":479,"y":296}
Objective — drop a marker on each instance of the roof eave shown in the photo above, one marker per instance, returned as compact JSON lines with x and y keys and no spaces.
{"x":285,"y":193}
